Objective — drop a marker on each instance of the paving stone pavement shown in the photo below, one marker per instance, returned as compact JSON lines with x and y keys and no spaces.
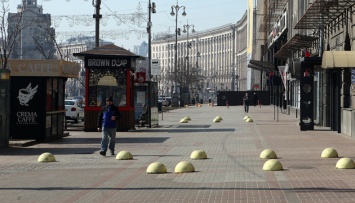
{"x":232,"y":173}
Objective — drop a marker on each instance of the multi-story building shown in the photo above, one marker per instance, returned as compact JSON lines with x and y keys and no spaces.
{"x":309,"y":47}
{"x":76,"y":45}
{"x":217,"y":58}
{"x":142,"y":49}
{"x":34,"y":35}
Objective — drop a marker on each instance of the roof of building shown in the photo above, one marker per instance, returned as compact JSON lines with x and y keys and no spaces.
{"x":107,"y":50}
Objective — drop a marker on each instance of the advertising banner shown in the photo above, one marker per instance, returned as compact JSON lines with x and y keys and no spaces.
{"x":28,"y":108}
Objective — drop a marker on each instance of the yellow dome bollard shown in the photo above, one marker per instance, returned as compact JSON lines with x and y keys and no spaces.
{"x":156,"y":167}
{"x":124,"y":155}
{"x":184,"y":120}
{"x":272,"y":165}
{"x":268,"y":154}
{"x":220,"y":118}
{"x":187,"y":118}
{"x":184,"y":167}
{"x":329,"y":153}
{"x":246,"y":117}
{"x":249,"y":120}
{"x":46,"y":157}
{"x":198,"y":154}
{"x":216,"y":120}
{"x":345,"y":163}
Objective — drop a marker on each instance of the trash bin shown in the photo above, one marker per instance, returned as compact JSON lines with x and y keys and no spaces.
{"x":160,"y":106}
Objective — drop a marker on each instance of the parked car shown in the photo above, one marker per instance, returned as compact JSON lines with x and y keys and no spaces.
{"x":163,"y":100}
{"x":74,"y":110}
{"x":169,"y":100}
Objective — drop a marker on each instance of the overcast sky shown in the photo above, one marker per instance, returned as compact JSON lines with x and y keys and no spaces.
{"x":203,"y":14}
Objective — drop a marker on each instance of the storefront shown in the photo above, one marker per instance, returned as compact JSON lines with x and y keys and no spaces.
{"x":37,"y":97}
{"x":109,"y":73}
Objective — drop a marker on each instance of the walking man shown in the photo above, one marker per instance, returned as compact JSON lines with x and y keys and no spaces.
{"x":246,"y":103}
{"x":107,"y":122}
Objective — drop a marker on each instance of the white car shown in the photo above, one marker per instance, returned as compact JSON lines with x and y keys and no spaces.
{"x":74,"y":110}
{"x":163,"y":101}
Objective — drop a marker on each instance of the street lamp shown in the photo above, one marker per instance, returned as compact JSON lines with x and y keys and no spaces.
{"x":177,"y":31}
{"x":188,"y":46}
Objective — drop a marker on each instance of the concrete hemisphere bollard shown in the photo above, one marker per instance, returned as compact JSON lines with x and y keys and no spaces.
{"x":187,"y":118}
{"x":268,"y":154}
{"x":246,"y":117}
{"x":219,"y":117}
{"x":345,"y":163}
{"x":184,"y":120}
{"x":272,"y":165}
{"x":329,"y":153}
{"x":184,"y":167}
{"x":198,"y":154}
{"x":156,"y":167}
{"x":124,"y":155}
{"x":216,"y":120}
{"x":46,"y":157}
{"x":249,"y":120}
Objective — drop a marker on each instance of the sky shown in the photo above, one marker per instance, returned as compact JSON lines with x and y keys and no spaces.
{"x":203,"y":14}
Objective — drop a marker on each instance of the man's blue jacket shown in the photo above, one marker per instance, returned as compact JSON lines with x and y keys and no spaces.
{"x":104,"y":120}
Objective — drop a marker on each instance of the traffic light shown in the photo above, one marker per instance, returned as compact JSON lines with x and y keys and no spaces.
{"x":153,"y":8}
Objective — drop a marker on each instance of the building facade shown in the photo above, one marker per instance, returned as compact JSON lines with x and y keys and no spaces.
{"x":214,"y":60}
{"x":34,"y":35}
{"x":142,"y":49}
{"x":318,"y":35}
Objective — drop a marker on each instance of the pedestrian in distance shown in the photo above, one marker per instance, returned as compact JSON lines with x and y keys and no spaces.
{"x":107,"y":123}
{"x":255,"y":99}
{"x":246,"y":102}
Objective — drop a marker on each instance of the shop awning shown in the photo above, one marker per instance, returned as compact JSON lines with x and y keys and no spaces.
{"x":321,"y":13}
{"x":261,"y":65}
{"x":338,"y":59}
{"x":296,"y":43}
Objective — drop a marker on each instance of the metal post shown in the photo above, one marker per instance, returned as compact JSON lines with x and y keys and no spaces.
{"x":175,"y":93}
{"x":175,"y":97}
{"x":97,"y":17}
{"x":149,"y":27}
{"x":233,"y":57}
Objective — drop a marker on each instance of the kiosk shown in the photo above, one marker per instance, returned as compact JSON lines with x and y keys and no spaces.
{"x":37,"y":97}
{"x":109,"y":72}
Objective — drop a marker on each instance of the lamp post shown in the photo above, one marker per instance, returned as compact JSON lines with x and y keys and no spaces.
{"x":152,"y":9}
{"x":188,"y":46}
{"x":177,"y":31}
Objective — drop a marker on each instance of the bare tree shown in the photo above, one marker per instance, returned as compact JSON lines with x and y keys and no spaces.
{"x":10,"y":32}
{"x":45,"y":40}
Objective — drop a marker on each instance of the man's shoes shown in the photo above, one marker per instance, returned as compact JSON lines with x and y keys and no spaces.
{"x":112,"y":153}
{"x":103,"y":153}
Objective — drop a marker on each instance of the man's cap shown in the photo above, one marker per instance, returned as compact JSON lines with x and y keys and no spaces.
{"x":109,"y":99}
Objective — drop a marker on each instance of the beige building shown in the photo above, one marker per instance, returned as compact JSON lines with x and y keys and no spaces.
{"x":216,"y":56}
